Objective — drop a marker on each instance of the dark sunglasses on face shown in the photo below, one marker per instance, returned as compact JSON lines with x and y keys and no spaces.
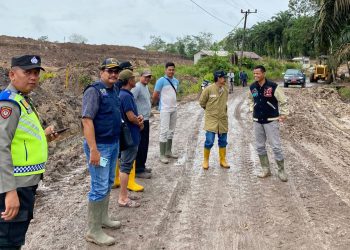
{"x":111,"y":71}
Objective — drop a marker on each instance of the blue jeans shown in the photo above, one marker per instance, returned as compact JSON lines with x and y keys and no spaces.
{"x":210,"y":137}
{"x":102,"y":178}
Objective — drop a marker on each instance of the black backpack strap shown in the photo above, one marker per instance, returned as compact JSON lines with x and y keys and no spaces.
{"x":171,"y":84}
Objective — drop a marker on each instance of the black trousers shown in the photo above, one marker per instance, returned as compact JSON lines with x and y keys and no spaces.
{"x":12,"y":233}
{"x":142,"y":151}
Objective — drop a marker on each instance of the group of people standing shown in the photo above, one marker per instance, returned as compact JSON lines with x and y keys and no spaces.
{"x":269,"y":106}
{"x":115,"y":99}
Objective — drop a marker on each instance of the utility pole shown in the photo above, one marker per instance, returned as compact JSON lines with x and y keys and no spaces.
{"x":245,"y":25}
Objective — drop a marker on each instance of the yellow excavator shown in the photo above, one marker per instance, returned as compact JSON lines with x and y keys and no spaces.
{"x":321,"y":71}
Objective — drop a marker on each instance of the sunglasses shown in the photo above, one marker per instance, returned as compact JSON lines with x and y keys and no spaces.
{"x":111,"y":71}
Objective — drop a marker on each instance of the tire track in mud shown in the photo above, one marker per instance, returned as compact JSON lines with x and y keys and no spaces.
{"x":180,"y":187}
{"x":266,"y":218}
{"x":327,"y":208}
{"x":233,"y":209}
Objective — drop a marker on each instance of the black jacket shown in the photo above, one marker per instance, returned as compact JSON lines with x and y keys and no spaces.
{"x":265,"y":102}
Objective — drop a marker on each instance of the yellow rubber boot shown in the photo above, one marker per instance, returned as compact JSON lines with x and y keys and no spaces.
{"x":206,"y":158}
{"x":132,"y":185}
{"x":116,"y":183}
{"x":222,"y":154}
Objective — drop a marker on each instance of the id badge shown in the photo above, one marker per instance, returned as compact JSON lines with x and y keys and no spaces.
{"x":103,"y":162}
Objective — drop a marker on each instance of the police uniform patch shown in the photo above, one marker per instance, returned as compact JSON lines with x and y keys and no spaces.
{"x":5,"y":112}
{"x":103,"y":92}
{"x":34,"y":60}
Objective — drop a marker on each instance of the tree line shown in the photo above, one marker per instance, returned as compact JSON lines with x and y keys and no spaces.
{"x":308,"y":28}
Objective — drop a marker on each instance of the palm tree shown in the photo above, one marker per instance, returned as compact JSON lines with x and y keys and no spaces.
{"x":333,"y":29}
{"x":333,"y":18}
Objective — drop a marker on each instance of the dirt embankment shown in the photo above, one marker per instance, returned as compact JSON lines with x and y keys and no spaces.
{"x":61,"y":54}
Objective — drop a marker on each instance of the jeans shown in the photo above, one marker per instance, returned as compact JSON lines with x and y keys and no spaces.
{"x":271,"y":132}
{"x":142,"y":151}
{"x":210,"y":137}
{"x":102,"y":178}
{"x":167,"y":125}
{"x":12,"y":233}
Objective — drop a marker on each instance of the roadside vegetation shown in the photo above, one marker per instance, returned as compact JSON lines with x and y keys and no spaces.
{"x":344,"y":93}
{"x":308,"y":28}
{"x":191,"y":76}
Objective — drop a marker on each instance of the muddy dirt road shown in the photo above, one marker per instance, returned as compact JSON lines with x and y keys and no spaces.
{"x":185,"y":207}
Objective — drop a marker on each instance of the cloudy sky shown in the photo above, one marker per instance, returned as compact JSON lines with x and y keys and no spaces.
{"x":129,"y":22}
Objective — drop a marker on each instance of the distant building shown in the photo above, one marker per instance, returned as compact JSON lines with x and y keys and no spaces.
{"x":234,"y":58}
{"x":204,"y":53}
{"x":304,"y":61}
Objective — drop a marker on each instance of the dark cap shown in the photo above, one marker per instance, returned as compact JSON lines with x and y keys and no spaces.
{"x":126,"y":74}
{"x":109,"y":63}
{"x":220,"y":73}
{"x":126,"y":65}
{"x":27,"y":62}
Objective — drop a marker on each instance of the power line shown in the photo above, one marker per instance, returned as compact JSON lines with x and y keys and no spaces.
{"x":222,"y":21}
{"x":238,"y":23}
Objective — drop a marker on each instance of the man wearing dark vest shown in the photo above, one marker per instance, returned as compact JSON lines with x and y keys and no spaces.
{"x":23,"y":151}
{"x":269,"y":106}
{"x":101,"y":121}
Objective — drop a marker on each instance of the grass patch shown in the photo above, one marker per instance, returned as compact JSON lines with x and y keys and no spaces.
{"x":345,"y":93}
{"x":46,"y":75}
{"x":84,"y":80}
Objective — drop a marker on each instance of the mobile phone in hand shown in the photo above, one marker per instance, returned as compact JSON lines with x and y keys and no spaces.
{"x":103,"y":162}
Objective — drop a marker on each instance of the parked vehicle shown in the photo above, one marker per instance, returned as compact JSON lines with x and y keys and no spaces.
{"x":321,"y":71}
{"x":204,"y":84}
{"x":294,"y":77}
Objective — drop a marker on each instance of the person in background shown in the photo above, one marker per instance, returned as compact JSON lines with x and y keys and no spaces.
{"x":134,"y":121}
{"x":23,"y":150}
{"x":244,"y":78}
{"x":143,"y":102}
{"x":231,"y":79}
{"x":166,"y":90}
{"x":122,"y":66}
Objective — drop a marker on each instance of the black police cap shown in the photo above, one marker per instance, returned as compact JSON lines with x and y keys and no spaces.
{"x":27,"y":62}
{"x":126,"y":65}
{"x":220,"y":73}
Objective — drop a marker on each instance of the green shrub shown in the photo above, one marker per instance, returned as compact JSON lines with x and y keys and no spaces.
{"x":192,"y":76}
{"x":345,"y":93}
{"x":84,"y":80}
{"x":46,"y":75}
{"x":213,"y":63}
